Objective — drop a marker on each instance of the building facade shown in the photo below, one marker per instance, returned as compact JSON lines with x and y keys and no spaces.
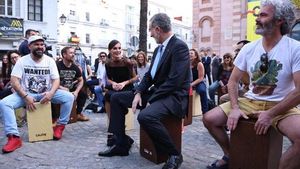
{"x":92,"y":24}
{"x":16,"y":16}
{"x":217,"y":25}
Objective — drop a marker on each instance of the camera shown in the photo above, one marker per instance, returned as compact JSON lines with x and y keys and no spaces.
{"x":49,"y":47}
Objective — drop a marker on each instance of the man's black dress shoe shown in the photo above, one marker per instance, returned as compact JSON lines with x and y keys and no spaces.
{"x":173,"y":162}
{"x":114,"y":151}
{"x":111,"y":140}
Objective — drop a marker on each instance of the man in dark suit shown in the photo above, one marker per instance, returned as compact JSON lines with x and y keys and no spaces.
{"x":168,"y":80}
{"x":206,"y":60}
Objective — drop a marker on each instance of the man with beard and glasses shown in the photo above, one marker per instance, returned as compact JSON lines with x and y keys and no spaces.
{"x":273,"y":65}
{"x":35,"y":78}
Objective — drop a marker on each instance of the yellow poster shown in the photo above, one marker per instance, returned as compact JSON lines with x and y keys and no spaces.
{"x":253,"y":10}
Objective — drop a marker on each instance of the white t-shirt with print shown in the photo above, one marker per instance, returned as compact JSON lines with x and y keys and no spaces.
{"x":283,"y":61}
{"x":36,"y":77}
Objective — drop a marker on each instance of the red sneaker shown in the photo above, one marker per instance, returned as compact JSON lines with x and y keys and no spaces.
{"x":13,"y":142}
{"x":57,"y":131}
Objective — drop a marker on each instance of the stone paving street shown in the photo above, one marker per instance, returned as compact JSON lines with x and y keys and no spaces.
{"x":81,"y":142}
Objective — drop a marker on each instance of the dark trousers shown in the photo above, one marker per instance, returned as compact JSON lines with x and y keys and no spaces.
{"x":149,"y":118}
{"x":80,"y":101}
{"x":208,"y":77}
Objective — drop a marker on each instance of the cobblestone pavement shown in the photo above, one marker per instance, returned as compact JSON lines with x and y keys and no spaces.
{"x":81,"y":142}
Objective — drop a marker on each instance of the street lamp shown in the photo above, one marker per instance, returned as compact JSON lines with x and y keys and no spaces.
{"x":63,"y":19}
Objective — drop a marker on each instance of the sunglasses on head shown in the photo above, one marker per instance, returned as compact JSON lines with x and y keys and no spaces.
{"x":264,"y":62}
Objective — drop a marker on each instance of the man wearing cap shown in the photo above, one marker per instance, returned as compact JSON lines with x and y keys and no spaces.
{"x":35,"y":78}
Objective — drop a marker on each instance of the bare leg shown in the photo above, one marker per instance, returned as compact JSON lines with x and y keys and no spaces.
{"x":290,"y":127}
{"x":214,"y":121}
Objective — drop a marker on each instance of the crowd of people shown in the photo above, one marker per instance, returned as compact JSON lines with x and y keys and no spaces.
{"x":259,"y":80}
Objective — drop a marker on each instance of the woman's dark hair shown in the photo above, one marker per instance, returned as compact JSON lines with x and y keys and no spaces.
{"x":112,"y":44}
{"x":6,"y":69}
{"x":197,"y":59}
{"x":11,"y":52}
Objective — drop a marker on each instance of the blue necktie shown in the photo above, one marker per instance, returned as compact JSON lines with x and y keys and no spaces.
{"x":156,"y":61}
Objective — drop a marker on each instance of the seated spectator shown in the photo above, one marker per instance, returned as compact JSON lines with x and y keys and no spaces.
{"x":120,"y":74}
{"x":224,"y":73}
{"x":120,"y":71}
{"x":142,"y":65}
{"x":5,"y":72}
{"x":12,"y":56}
{"x":244,"y":85}
{"x":93,"y":81}
{"x":71,"y":80}
{"x":198,"y":83}
{"x":101,"y":76}
{"x":35,"y":79}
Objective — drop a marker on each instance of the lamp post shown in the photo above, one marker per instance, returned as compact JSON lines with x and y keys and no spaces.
{"x":63,"y":19}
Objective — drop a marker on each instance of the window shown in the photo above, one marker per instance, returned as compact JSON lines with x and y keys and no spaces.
{"x":205,"y":28}
{"x":35,"y":8}
{"x":87,"y":38}
{"x":87,"y":16}
{"x":6,"y":7}
{"x":72,"y":12}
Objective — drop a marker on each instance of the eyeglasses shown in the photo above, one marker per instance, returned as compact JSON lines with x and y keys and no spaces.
{"x":226,"y":57}
{"x":264,"y":62}
{"x":102,"y":56}
{"x":14,"y":57}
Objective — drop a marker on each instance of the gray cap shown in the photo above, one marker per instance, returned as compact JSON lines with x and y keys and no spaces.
{"x":35,"y":38}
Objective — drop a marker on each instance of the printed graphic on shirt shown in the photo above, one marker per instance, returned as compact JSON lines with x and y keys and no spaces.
{"x":68,"y":78}
{"x":264,"y":76}
{"x":37,"y":79}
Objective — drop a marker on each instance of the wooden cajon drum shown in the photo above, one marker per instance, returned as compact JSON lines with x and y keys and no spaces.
{"x":129,"y":117}
{"x":73,"y":115}
{"x":40,"y":123}
{"x":129,"y":120}
{"x":251,"y":151}
{"x":197,"y":111}
{"x":147,"y":148}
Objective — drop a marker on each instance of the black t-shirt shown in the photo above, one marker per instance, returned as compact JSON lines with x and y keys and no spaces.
{"x":68,"y":75}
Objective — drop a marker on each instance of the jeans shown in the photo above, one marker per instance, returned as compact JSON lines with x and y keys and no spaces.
{"x":14,"y":101}
{"x":99,"y":95}
{"x":201,"y":90}
{"x":212,"y":90}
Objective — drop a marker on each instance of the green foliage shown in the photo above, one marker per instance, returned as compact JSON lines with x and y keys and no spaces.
{"x":297,"y":3}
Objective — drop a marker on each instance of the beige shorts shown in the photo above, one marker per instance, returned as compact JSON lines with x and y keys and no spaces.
{"x":249,"y":106}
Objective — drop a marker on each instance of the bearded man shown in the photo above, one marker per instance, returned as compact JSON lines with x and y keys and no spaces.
{"x":35,"y":78}
{"x":273,"y":65}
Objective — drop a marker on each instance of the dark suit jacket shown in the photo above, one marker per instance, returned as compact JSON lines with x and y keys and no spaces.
{"x":206,"y":64}
{"x":172,"y":79}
